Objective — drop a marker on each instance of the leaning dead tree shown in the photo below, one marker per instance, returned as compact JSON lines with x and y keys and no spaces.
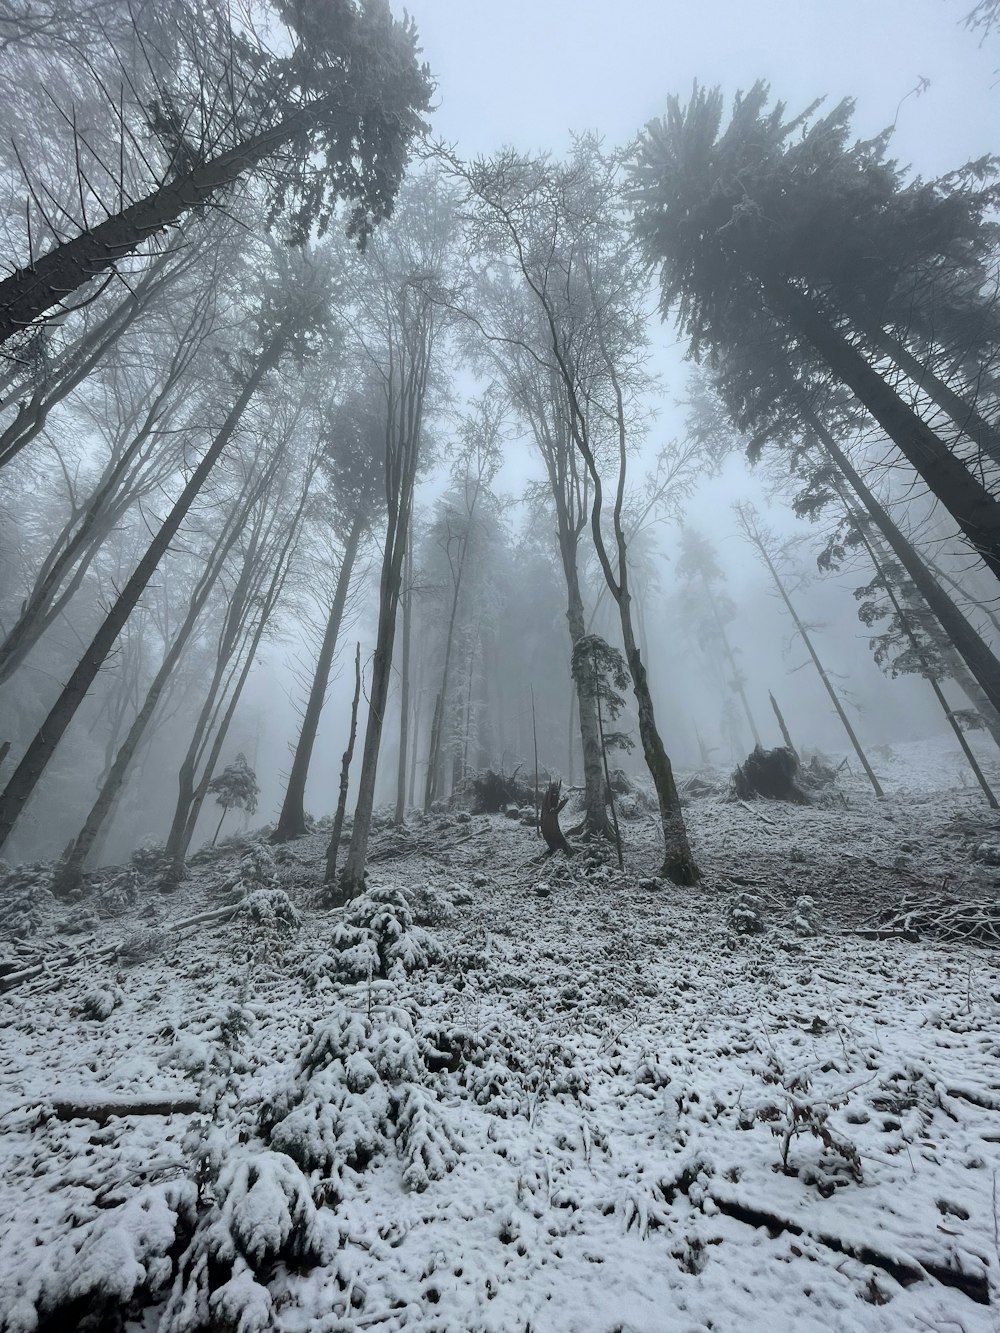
{"x":762,"y":542}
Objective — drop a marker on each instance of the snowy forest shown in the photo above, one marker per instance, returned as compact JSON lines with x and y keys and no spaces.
{"x":499,"y":666}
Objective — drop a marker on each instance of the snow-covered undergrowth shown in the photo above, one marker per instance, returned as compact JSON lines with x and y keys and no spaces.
{"x":569,"y":1101}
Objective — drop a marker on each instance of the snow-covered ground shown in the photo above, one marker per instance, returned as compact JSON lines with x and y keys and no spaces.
{"x":560,"y":1099}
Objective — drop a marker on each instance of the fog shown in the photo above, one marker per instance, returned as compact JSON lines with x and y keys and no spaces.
{"x":532,"y":80}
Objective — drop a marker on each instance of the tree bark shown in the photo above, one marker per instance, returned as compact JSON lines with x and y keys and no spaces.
{"x":32,"y":291}
{"x":785,"y":735}
{"x":963,"y":415}
{"x":69,"y":871}
{"x":26,"y":777}
{"x":404,"y":686}
{"x":929,"y":675}
{"x":33,"y":411}
{"x":970,"y":645}
{"x":970,"y":504}
{"x":292,"y":820}
{"x":345,"y":779}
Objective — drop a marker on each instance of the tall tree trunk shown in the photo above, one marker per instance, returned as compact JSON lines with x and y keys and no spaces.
{"x":970,"y":504}
{"x":737,"y":680}
{"x":68,"y":874}
{"x":26,"y":777}
{"x":79,"y":544}
{"x":678,"y":862}
{"x":404,"y":685}
{"x":192,"y":794}
{"x":413,"y":747}
{"x":941,"y":573}
{"x":932,"y":680}
{"x":330,"y":879}
{"x":970,"y":645}
{"x":827,"y":683}
{"x":433,"y":785}
{"x":354,"y":867}
{"x":33,"y":411}
{"x":292,"y":820}
{"x":403,"y":434}
{"x":595,"y":820}
{"x":32,"y":291}
{"x":964,"y":415}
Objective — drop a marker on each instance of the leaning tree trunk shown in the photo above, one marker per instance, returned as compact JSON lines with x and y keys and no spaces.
{"x":903,"y":617}
{"x":970,"y":504}
{"x":68,"y":874}
{"x":827,"y":683}
{"x":963,"y":415}
{"x":79,"y":545}
{"x":28,"y":773}
{"x":32,"y":291}
{"x":32,"y":412}
{"x":970,"y":645}
{"x":292,"y":820}
{"x":180,"y":839}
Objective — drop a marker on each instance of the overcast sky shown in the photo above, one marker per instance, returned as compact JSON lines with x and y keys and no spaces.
{"x":526,"y":72}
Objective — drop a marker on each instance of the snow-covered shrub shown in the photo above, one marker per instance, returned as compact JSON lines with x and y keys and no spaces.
{"x":805,"y":919}
{"x":271,"y":907}
{"x":120,"y":1260}
{"x":378,"y":938}
{"x":139,"y":945}
{"x":430,"y":907}
{"x":360,"y":1088}
{"x":745,"y":914}
{"x":100,"y":1003}
{"x":261,"y":1212}
{"x":257,"y":869}
{"x":797,"y":1111}
{"x":25,"y":892}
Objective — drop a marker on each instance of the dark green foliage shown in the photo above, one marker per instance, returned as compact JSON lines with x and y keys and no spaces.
{"x":236,"y":786}
{"x":601,"y":673}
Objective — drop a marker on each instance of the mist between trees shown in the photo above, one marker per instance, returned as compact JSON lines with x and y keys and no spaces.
{"x":314,"y":431}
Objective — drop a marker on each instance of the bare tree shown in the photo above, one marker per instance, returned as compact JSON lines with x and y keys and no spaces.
{"x":401,"y":307}
{"x":561,"y":228}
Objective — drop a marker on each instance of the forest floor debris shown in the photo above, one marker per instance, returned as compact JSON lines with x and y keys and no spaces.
{"x":468,"y":1104}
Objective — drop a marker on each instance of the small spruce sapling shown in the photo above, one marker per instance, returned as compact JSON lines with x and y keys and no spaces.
{"x":235,"y":786}
{"x":601,"y":673}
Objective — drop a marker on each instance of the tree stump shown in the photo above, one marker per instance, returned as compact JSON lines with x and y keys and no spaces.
{"x":555,"y":840}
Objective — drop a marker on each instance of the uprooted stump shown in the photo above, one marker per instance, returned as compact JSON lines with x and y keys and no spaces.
{"x":774,"y":775}
{"x":493,"y":791}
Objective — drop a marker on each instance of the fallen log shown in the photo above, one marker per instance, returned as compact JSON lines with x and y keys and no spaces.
{"x":13,"y":979}
{"x":103,"y":1110}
